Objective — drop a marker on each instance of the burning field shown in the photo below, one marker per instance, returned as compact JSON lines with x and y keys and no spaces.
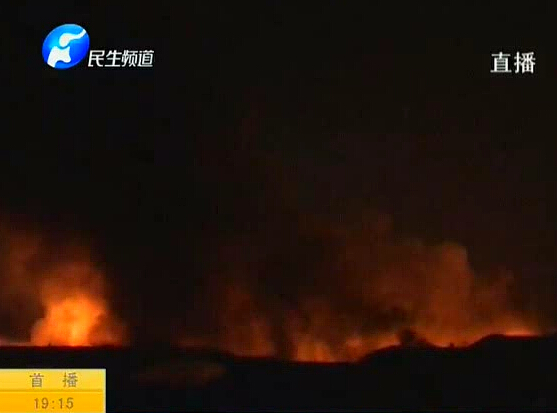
{"x":340,"y":293}
{"x":52,"y":296}
{"x":332,"y":294}
{"x":313,"y":213}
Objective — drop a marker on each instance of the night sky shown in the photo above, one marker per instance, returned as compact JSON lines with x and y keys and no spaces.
{"x":255,"y":118}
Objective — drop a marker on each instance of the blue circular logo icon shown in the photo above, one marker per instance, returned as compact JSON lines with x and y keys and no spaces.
{"x":65,"y":46}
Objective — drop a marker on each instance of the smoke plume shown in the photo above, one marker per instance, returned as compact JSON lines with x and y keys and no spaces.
{"x":320,"y":291}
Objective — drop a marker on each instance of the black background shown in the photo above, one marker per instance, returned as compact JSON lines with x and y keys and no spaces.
{"x":390,"y":107}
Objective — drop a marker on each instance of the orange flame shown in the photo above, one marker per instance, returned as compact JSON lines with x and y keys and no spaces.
{"x":76,"y":314}
{"x":73,"y":321}
{"x":70,"y":291}
{"x":371,"y":293}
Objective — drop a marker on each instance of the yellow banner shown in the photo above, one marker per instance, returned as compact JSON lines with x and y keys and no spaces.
{"x":63,"y":380}
{"x":52,"y":402}
{"x":53,"y":391}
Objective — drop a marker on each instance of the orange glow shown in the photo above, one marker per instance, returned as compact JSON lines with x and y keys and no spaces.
{"x":370,"y":293}
{"x":72,"y":321}
{"x":312,"y":347}
{"x":76,"y":314}
{"x":66,"y":288}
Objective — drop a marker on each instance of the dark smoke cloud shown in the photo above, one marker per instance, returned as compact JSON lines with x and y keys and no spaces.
{"x":284,"y":281}
{"x":317,"y":289}
{"x":254,"y":271}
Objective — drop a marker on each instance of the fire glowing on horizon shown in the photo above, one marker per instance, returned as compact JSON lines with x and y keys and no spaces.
{"x":75,"y":316}
{"x":365,"y":294}
{"x":369,"y":291}
{"x":62,"y":299}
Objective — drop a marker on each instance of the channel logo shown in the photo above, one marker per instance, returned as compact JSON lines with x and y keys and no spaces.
{"x":65,"y":46}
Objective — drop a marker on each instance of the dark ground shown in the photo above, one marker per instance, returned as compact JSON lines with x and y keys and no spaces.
{"x":496,"y":373}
